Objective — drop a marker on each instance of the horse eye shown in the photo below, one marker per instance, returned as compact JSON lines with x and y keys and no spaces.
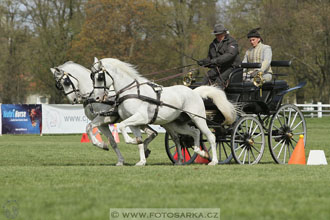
{"x":100,"y":77}
{"x":67,"y":82}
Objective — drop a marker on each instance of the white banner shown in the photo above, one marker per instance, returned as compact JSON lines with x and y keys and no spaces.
{"x":69,"y":119}
{"x":63,"y":119}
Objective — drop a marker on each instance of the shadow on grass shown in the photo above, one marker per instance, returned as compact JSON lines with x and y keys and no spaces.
{"x":148,"y":164}
{"x":102,"y":164}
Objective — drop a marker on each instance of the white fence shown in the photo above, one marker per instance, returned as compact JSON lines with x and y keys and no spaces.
{"x":315,"y":110}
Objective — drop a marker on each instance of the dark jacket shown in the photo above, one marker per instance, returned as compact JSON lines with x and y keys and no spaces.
{"x":224,"y":54}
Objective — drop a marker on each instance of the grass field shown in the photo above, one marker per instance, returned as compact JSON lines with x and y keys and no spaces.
{"x":57,"y":177}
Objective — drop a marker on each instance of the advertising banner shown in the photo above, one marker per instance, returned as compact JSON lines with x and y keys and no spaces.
{"x":63,"y":119}
{"x":21,"y":119}
{"x":46,"y":119}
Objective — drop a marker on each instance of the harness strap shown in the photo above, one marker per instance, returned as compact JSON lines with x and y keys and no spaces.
{"x":128,"y":87}
{"x":158,"y":103}
{"x":158,"y":90}
{"x":141,"y":97}
{"x":92,"y":100}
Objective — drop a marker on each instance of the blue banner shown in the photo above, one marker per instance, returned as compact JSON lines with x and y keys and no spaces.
{"x":21,"y":119}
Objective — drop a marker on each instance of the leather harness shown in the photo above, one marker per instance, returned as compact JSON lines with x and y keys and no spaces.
{"x":157,"y":89}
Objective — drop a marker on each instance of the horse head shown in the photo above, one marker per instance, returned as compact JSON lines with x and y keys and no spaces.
{"x":68,"y":78}
{"x":102,"y":79}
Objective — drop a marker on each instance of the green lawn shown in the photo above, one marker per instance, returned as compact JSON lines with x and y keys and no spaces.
{"x":57,"y":177}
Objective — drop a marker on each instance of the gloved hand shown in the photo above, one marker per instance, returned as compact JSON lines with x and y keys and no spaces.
{"x":204,"y":62}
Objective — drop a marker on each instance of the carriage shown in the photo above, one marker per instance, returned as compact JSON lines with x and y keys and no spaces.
{"x":262,"y":116}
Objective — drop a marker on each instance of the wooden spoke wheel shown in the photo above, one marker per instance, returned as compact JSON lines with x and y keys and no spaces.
{"x":284,"y":130}
{"x":186,"y":147}
{"x":248,"y":141}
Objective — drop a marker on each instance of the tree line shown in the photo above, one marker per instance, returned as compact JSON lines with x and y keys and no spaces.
{"x":156,"y":35}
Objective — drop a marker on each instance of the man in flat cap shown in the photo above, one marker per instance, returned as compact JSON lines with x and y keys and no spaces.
{"x":223,"y":57}
{"x":258,"y":53}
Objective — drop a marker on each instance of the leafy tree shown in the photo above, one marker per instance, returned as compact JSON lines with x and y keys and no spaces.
{"x":297,"y":31}
{"x":155,"y":35}
{"x":13,"y":42}
{"x":54,"y":23}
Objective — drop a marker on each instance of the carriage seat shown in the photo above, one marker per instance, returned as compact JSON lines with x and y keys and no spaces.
{"x":236,"y":76}
{"x":247,"y":91}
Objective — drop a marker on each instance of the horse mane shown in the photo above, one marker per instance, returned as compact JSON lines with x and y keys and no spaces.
{"x":64,"y":65}
{"x":127,"y":68}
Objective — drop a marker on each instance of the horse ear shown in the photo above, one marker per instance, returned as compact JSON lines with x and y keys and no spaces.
{"x":96,"y":60}
{"x":53,"y":70}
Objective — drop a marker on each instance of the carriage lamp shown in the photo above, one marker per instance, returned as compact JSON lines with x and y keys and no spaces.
{"x":258,"y":81}
{"x":188,"y":79}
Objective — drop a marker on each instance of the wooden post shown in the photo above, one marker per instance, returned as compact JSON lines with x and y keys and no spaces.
{"x":319,"y":109}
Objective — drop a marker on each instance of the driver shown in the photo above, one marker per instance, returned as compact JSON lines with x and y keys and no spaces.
{"x":223,"y":57}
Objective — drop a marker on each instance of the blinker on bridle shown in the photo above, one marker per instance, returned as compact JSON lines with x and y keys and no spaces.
{"x":66,"y":82}
{"x":100,"y":77}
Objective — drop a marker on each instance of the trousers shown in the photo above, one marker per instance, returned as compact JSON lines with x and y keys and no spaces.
{"x":214,"y":77}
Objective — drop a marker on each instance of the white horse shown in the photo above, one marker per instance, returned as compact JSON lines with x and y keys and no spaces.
{"x":142,"y":102}
{"x":74,"y":80}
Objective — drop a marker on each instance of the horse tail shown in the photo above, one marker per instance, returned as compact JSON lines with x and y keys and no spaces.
{"x":219,"y":98}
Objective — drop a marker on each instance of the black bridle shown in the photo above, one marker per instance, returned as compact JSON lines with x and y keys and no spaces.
{"x":100,"y":77}
{"x":66,"y":82}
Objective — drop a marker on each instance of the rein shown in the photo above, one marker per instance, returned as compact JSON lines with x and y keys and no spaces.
{"x":173,"y":76}
{"x":135,"y":83}
{"x":167,"y":70}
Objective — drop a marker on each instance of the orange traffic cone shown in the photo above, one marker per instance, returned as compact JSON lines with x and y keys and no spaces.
{"x":201,"y":160}
{"x":115,"y":133}
{"x":298,"y":154}
{"x":96,"y":133}
{"x":84,"y":138}
{"x":185,"y":155}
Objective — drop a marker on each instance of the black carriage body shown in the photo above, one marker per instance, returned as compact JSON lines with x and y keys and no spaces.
{"x":264,"y":116}
{"x":250,"y":98}
{"x":254,"y":100}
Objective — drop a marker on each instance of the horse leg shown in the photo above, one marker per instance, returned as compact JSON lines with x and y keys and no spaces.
{"x":106,"y":131}
{"x":137,"y":132}
{"x":95,"y":122}
{"x":192,"y":131}
{"x":151,"y":135}
{"x":175,"y":138}
{"x":89,"y":130}
{"x":201,"y":124}
{"x":134,"y":120}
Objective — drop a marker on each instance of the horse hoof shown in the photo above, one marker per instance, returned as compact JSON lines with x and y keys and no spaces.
{"x":178,"y":163}
{"x":105,"y":146}
{"x":213,"y":163}
{"x":147,"y":153}
{"x":141,"y":163}
{"x":119,"y":163}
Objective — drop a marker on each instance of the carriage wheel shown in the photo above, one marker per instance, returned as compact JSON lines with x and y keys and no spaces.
{"x":284,"y":130}
{"x":186,"y":146}
{"x":248,"y":141}
{"x":223,"y":150}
